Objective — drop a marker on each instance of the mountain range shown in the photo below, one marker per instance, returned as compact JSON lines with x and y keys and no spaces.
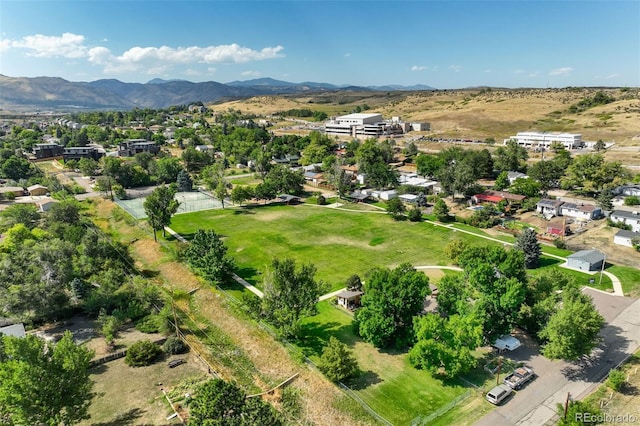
{"x":54,"y":93}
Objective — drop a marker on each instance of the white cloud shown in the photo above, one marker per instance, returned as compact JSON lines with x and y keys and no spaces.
{"x":435,"y":68}
{"x":138,"y":59}
{"x":533,"y":74}
{"x":418,"y":68}
{"x":488,"y":70}
{"x":455,"y":68}
{"x":250,"y":73}
{"x":68,"y":45}
{"x":347,"y":55}
{"x":561,"y":71}
{"x":611,"y":76}
{"x":519,"y":71}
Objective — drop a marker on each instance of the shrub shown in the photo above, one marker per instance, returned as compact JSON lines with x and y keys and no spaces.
{"x":632,"y":200}
{"x":616,"y":380}
{"x":174,"y":345}
{"x":142,"y":353}
{"x":561,"y":244}
{"x":149,"y":324}
{"x":414,"y":214}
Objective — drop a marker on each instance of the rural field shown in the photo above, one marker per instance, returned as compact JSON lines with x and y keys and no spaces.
{"x":480,"y":113}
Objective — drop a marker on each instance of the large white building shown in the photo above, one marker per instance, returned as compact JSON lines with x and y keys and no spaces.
{"x":364,"y":125}
{"x":545,"y":139}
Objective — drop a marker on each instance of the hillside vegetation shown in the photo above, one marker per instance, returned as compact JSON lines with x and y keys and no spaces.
{"x":477,"y":113}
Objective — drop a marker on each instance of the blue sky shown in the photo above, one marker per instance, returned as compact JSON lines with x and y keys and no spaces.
{"x":444,"y":44}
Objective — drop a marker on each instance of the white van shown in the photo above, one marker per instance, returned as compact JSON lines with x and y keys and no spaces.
{"x":499,"y":394}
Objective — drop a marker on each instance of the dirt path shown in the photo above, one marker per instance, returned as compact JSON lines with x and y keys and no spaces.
{"x":269,"y":357}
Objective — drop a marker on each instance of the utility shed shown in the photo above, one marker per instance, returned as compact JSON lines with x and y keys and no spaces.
{"x":586,"y":260}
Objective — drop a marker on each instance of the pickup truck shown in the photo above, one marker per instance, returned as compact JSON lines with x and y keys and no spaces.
{"x":519,"y":377}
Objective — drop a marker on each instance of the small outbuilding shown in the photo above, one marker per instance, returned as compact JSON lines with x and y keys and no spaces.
{"x":625,"y":238}
{"x":37,"y":190}
{"x":289,"y":199}
{"x":349,"y":299}
{"x":586,"y":260}
{"x":15,"y":330}
{"x":507,"y":342}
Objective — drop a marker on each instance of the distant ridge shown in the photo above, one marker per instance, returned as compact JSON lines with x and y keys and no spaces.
{"x":54,"y":93}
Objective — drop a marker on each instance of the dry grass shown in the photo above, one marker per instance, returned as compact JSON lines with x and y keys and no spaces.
{"x":270,"y":359}
{"x":476,"y":114}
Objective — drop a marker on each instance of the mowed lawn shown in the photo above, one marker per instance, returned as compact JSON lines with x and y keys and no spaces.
{"x":339,"y":243}
{"x":388,"y":383}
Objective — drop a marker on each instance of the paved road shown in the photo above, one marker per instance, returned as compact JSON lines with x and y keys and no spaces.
{"x":536,"y":404}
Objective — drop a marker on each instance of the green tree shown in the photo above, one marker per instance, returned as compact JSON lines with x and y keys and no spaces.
{"x":16,"y":168}
{"x":184,"y":181}
{"x":159,"y":206}
{"x":591,"y":174}
{"x":222,"y":191}
{"x":573,"y":330}
{"x":441,"y":210}
{"x":167,"y":169}
{"x":395,"y":208}
{"x":26,"y":214}
{"x":221,"y":403}
{"x":337,"y":361}
{"x":391,"y":299}
{"x":88,"y":166}
{"x":502,"y":181}
{"x":527,"y":242}
{"x":454,"y":248}
{"x":547,"y":172}
{"x":429,"y":165}
{"x":414,"y":214}
{"x":526,"y":186}
{"x":372,"y":162}
{"x":41,"y":383}
{"x":578,"y":413}
{"x":290,"y":294}
{"x":511,"y":157}
{"x":632,"y":200}
{"x":444,"y":345}
{"x":207,"y":253}
{"x":241,"y":193}
{"x":354,"y":283}
{"x":600,"y":145}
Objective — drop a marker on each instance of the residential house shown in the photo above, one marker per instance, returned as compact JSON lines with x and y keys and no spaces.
{"x":17,"y":191}
{"x":15,"y":330}
{"x":408,"y":198}
{"x":349,"y":299}
{"x":79,"y":152}
{"x":625,"y":238}
{"x":388,"y":195}
{"x":47,"y":150}
{"x":495,"y":197}
{"x":586,"y":260}
{"x":581,"y":211}
{"x":131,"y":147}
{"x":628,"y":190}
{"x":512,"y":176}
{"x":36,"y":190}
{"x":628,"y":218}
{"x":549,"y":208}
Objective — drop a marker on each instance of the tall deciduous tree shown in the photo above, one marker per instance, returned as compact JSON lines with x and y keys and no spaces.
{"x":511,"y":157}
{"x":208,"y":254}
{"x":573,"y":331}
{"x":527,"y":242}
{"x":290,"y":294}
{"x":444,"y":345}
{"x":159,"y":206}
{"x":41,"y":383}
{"x":391,"y":299}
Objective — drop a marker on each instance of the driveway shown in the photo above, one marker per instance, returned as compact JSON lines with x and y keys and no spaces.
{"x":535,"y":404}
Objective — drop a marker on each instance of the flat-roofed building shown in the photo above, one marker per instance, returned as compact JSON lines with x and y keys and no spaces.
{"x":47,"y":150}
{"x":363,"y":125}
{"x":537,"y":140}
{"x":131,"y":147}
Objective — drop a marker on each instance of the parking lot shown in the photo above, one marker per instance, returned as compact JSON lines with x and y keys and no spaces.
{"x":535,"y":404}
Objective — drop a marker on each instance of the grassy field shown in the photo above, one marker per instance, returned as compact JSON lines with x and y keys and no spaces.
{"x":339,"y":243}
{"x":389,"y":384}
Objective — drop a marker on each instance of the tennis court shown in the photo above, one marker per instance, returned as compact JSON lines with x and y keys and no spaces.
{"x":189,"y":202}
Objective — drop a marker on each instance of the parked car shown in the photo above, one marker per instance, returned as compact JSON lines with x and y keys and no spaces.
{"x":499,"y":394}
{"x":519,"y":377}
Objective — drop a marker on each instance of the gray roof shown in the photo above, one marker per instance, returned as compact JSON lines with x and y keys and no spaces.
{"x":591,"y":256}
{"x":626,"y":214}
{"x":549,"y":203}
{"x":348,"y":294}
{"x":581,"y":207}
{"x":627,"y":234}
